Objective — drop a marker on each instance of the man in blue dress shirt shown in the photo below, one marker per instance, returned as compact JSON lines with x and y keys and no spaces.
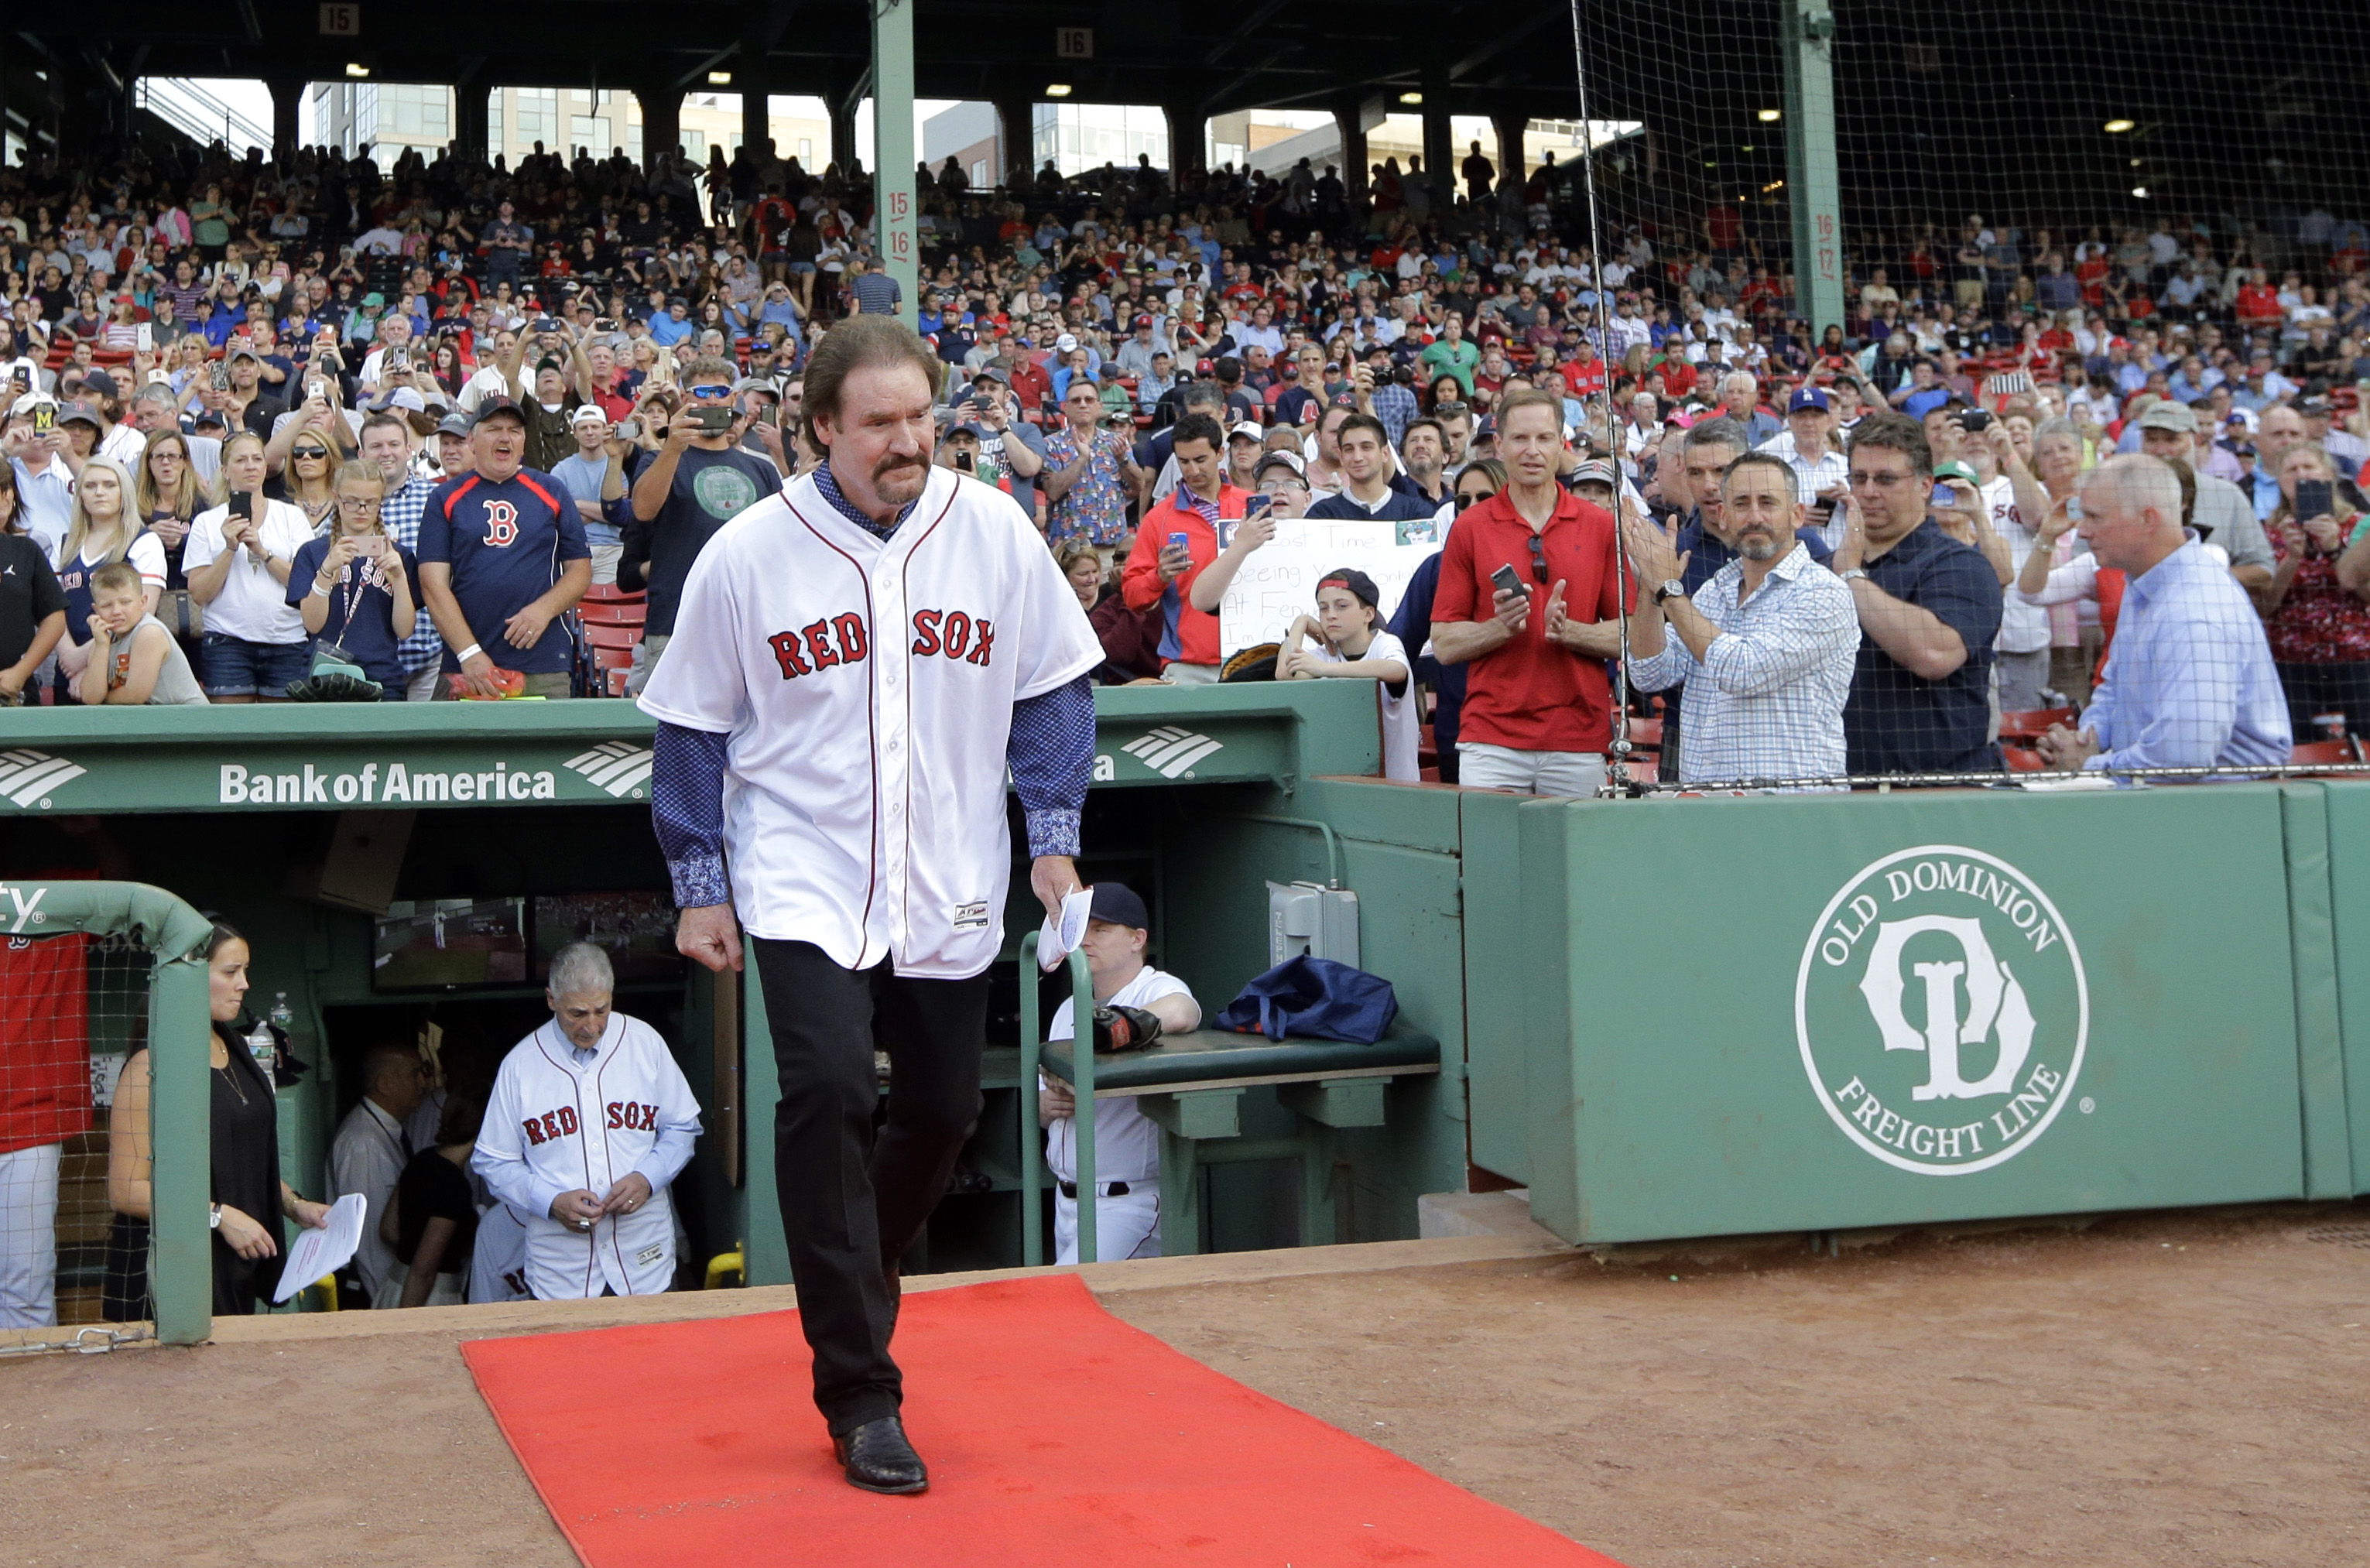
{"x":2191,"y":682}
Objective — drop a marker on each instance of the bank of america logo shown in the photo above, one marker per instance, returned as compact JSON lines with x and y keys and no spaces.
{"x":1170,"y":751}
{"x":615,"y":765}
{"x":26,"y":776}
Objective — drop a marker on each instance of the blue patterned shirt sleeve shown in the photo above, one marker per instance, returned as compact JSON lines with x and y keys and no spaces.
{"x":687,"y":812}
{"x":1051,"y":755}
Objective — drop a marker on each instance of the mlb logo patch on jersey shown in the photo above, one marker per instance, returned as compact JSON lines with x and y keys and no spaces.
{"x":972,"y":917}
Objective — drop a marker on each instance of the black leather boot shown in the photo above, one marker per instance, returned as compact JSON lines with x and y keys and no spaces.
{"x":879,"y":1459}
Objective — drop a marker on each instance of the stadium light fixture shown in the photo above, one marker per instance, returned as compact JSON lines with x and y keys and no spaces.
{"x":356,"y":71}
{"x":2140,"y":192}
{"x":2120,"y":127}
{"x":1057,"y":90}
{"x":1770,"y":115}
{"x":1411,"y":100}
{"x":719,"y":78}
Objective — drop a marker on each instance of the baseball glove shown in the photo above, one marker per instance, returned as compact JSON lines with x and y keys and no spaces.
{"x":1124,"y":1029}
{"x":1255,"y":663}
{"x":334,"y":686}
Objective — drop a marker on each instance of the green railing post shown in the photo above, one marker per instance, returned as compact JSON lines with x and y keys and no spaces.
{"x":1032,"y":1035}
{"x":1082,"y":1082}
{"x":180,"y":1255}
{"x":180,"y":1177}
{"x":1033,"y":1160}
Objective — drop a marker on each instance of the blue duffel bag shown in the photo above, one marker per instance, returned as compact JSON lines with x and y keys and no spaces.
{"x":1314,"y":998}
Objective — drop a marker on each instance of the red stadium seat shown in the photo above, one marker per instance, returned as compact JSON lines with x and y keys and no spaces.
{"x":598,"y":636}
{"x":2022,"y":759}
{"x":612,"y":658}
{"x":614,"y":613}
{"x":2322,"y":754}
{"x":1646,"y":733}
{"x":2035,"y":724}
{"x":614,"y":680}
{"x":610,"y":593}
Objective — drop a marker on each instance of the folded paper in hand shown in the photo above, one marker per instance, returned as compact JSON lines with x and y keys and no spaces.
{"x":1053,"y":945}
{"x":319,"y":1254}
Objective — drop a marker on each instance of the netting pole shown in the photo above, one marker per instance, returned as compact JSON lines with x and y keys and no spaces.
{"x":895,"y":230}
{"x":180,"y":1097}
{"x":1625,"y":573}
{"x":1813,"y":185}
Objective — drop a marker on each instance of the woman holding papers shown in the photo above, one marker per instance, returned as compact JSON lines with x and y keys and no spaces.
{"x":249,"y":1196}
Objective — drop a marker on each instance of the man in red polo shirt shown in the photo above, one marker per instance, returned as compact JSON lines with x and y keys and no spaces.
{"x":1537,"y":714}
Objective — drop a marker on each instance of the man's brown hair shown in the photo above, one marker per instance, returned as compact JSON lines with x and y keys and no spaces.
{"x":1531,"y":397}
{"x":851,"y":344}
{"x":1890,"y":431}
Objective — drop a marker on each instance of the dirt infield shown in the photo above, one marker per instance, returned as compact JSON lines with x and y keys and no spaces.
{"x":2158,"y":1391}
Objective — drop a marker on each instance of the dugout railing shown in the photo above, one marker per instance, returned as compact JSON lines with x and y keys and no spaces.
{"x":173,"y":936}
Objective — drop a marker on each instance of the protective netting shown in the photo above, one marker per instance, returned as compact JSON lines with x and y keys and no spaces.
{"x":2075,"y":431}
{"x":73,"y":1008}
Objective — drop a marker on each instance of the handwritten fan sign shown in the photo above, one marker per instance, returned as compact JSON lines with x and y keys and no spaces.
{"x":1279,"y":580}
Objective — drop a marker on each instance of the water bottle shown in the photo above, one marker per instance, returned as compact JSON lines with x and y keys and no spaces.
{"x":262,"y":1041}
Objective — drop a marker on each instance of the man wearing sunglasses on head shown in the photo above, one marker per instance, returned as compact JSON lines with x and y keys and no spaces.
{"x":700,"y":479}
{"x":1537,"y":713}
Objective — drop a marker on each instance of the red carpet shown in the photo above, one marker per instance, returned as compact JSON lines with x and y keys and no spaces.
{"x":1055,"y":1433}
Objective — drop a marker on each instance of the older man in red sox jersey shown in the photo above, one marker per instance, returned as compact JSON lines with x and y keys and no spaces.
{"x":589,"y":1123}
{"x":856,"y":662}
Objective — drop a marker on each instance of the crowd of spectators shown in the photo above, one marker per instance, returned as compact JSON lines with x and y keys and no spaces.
{"x":404,"y":423}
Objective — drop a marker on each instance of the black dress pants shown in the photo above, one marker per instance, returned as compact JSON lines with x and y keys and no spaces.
{"x":852,"y":1203}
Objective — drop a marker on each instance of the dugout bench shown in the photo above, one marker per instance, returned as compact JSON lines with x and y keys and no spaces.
{"x":1190,"y":1086}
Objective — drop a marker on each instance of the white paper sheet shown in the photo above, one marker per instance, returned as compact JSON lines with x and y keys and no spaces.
{"x":1055,"y":944}
{"x":318,"y":1253}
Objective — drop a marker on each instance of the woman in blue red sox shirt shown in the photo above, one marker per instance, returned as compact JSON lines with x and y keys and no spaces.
{"x":502,"y":556}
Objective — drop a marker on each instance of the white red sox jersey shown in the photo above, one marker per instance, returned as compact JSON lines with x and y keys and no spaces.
{"x":555,"y":1125}
{"x":866,"y":692}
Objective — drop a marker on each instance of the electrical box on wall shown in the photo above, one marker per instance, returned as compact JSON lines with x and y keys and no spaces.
{"x":358,"y":868}
{"x":1305,"y":918}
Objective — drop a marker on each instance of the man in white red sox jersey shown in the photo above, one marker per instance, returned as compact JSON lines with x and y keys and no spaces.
{"x":856,"y":662}
{"x":589,"y":1123}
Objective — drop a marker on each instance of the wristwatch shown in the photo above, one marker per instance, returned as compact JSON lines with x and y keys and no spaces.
{"x":1849,"y":573}
{"x":213,"y":1216}
{"x":1672,"y":588}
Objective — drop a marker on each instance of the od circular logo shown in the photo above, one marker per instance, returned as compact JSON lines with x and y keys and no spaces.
{"x":1941,"y":1010}
{"x":722,"y":491}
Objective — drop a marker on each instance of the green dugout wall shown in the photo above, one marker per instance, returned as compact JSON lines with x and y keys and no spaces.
{"x":1665,"y":1017}
{"x":1788,"y":1013}
{"x":1200,"y":798}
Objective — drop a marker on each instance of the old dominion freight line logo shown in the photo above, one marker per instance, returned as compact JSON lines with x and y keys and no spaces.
{"x":1941,"y":1010}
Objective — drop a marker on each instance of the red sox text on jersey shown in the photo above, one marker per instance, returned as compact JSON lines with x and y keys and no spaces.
{"x":840,"y":639}
{"x":627,"y":1114}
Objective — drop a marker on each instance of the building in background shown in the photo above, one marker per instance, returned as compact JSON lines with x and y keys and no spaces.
{"x":1275,"y":141}
{"x":1081,"y":137}
{"x":387,"y":117}
{"x":972,"y":134}
{"x":1075,"y":137}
